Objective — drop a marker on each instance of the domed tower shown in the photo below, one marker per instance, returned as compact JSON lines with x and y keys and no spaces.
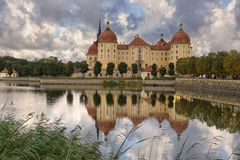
{"x":107,"y":46}
{"x":180,"y":45}
{"x":92,"y":54}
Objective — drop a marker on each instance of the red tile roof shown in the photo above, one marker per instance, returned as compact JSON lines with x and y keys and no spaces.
{"x":148,"y":69}
{"x":138,"y":42}
{"x":122,"y":47}
{"x":4,"y":71}
{"x":93,"y":50}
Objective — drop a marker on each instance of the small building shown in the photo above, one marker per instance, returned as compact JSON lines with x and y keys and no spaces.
{"x":4,"y":73}
{"x":15,"y":73}
{"x":146,"y":73}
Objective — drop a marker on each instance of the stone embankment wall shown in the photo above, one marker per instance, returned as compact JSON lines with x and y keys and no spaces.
{"x":220,"y":87}
{"x":90,"y":81}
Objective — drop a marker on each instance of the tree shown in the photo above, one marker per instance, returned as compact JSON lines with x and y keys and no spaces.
{"x":191,"y":65}
{"x":83,"y":98}
{"x":97,"y":68}
{"x":134,"y":99}
{"x":231,"y":63}
{"x":171,"y":69}
{"x":162,"y":71}
{"x":170,"y":101}
{"x":162,"y":98}
{"x":69,"y":98}
{"x":96,"y":99}
{"x":153,"y":99}
{"x":122,"y":100}
{"x":134,"y":68}
{"x":110,"y":68}
{"x":109,"y":99}
{"x":69,"y":69}
{"x":217,"y":64}
{"x":154,"y":70}
{"x":83,"y":66}
{"x":122,"y":67}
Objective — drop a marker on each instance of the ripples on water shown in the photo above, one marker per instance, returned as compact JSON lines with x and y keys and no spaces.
{"x":166,"y":118}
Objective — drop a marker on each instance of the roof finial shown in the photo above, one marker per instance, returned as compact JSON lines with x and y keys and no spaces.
{"x":181,"y":27}
{"x":162,"y":36}
{"x":108,"y":25}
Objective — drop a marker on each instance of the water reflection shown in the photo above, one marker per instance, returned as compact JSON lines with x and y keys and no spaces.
{"x":107,"y":106}
{"x":54,"y":95}
{"x":103,"y":114}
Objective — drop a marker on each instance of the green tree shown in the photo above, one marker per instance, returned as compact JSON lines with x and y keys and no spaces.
{"x":69,"y":69}
{"x":191,"y":65}
{"x":134,"y":99}
{"x":232,"y":63}
{"x":170,"y":101}
{"x":162,"y":98}
{"x":153,"y":99}
{"x":154,"y":70}
{"x":109,"y":99}
{"x":69,"y":98}
{"x":97,"y":68}
{"x":171,"y":69}
{"x":97,"y":99}
{"x":122,"y":68}
{"x":83,"y":98}
{"x":162,"y":71}
{"x":122,"y":100}
{"x":110,"y":68}
{"x":134,"y":68}
{"x":83,"y":67}
{"x":217,"y":64}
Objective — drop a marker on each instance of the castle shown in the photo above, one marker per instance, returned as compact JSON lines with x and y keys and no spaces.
{"x":106,"y":49}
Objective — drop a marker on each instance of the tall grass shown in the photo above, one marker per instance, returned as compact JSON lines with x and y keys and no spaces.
{"x":42,"y":141}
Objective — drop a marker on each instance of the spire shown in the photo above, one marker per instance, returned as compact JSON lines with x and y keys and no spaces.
{"x":99,"y":29}
{"x":181,"y":27}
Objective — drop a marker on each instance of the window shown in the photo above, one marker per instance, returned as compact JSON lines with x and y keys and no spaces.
{"x":165,"y":58}
{"x":89,"y":74}
{"x":146,"y":65}
{"x":176,"y":57}
{"x":165,"y":53}
{"x":176,"y":46}
{"x":176,"y":51}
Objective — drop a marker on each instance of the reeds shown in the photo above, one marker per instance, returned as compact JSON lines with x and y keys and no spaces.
{"x":43,"y":141}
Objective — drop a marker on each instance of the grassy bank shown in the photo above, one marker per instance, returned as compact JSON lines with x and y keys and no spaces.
{"x":43,"y":141}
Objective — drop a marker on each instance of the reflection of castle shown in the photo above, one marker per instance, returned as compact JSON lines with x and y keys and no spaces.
{"x":136,"y":106}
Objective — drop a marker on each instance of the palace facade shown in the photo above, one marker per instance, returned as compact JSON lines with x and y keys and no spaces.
{"x":107,"y":49}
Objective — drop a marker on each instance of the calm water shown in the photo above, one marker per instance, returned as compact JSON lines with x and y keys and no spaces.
{"x":166,"y":118}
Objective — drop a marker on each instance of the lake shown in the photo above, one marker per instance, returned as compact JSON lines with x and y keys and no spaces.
{"x":167,"y":121}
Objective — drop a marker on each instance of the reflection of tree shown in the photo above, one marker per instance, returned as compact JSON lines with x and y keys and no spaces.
{"x":69,"y":97}
{"x":162,"y":98}
{"x":109,"y":99}
{"x":96,"y":99}
{"x":83,"y":98}
{"x":122,"y":100}
{"x":170,"y":101}
{"x":153,"y":99}
{"x":134,"y":99}
{"x":53,"y":95}
{"x":221,"y":118}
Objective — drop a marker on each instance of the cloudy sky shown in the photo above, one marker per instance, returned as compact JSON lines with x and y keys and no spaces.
{"x":65,"y":28}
